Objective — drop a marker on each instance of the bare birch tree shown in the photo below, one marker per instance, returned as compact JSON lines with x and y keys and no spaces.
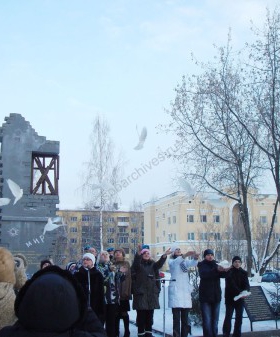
{"x":103,"y":172}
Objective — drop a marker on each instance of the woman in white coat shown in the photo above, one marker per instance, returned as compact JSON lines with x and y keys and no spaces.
{"x":179,"y":291}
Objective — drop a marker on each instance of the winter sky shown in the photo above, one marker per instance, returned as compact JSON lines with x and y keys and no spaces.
{"x":62,"y":62}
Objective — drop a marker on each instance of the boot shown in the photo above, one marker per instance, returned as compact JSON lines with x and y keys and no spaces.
{"x":126,"y":326}
{"x":117,"y":327}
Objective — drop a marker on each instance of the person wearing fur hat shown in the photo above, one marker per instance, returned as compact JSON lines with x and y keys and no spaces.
{"x":92,"y":282}
{"x":146,"y":289}
{"x":236,"y":282}
{"x":12,"y":278}
{"x":125,"y":292}
{"x":52,"y":303}
{"x":20,"y":271}
{"x":210,"y":292}
{"x":179,"y":291}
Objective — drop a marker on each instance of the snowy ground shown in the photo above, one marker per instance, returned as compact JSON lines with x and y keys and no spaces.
{"x":197,"y":331}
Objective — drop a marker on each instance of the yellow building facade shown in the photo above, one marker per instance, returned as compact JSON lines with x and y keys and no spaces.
{"x":120,"y":229}
{"x":200,"y":222}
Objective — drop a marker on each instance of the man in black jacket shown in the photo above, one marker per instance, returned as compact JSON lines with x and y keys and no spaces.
{"x":210,"y":292}
{"x":236,"y":282}
{"x":93,"y":284}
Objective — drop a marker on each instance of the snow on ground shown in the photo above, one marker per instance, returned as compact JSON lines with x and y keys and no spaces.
{"x":197,"y":331}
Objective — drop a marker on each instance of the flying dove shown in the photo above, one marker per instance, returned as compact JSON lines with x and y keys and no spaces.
{"x":4,"y":201}
{"x":190,"y":191}
{"x":51,"y":225}
{"x":142,"y":139}
{"x":15,"y":189}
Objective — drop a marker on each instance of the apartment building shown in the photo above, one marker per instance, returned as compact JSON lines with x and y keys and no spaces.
{"x":201,"y":221}
{"x":120,"y":229}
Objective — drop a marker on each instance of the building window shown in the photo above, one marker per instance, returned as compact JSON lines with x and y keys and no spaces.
{"x":203,"y":218}
{"x":190,"y":236}
{"x":169,"y":220}
{"x":263,"y":219}
{"x":157,"y":239}
{"x":85,"y":229}
{"x":216,"y":218}
{"x":122,"y":230}
{"x":163,"y":215}
{"x":134,"y":230}
{"x":157,"y":224}
{"x":174,"y":236}
{"x":203,"y":236}
{"x":73,"y":229}
{"x":73,"y":240}
{"x":86,"y":217}
{"x":110,"y":240}
{"x":73,"y":218}
{"x":174,"y":219}
{"x":123,"y":219}
{"x":163,"y":233}
{"x":110,"y":219}
{"x":217,"y":236}
{"x":123,"y":239}
{"x":110,"y":230}
{"x":190,"y":218}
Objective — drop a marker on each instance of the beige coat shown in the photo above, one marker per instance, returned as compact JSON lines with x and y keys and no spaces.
{"x":12,"y":277}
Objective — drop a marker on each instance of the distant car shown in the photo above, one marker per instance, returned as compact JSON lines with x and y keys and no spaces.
{"x":271,"y":277}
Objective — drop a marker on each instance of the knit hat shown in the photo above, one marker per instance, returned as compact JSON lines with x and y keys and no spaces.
{"x":111,"y":249}
{"x":207,"y":252}
{"x":120,"y":250}
{"x":90,"y":256}
{"x":145,"y":247}
{"x":144,"y":251}
{"x":7,"y":266}
{"x":174,"y":247}
{"x":236,"y":258}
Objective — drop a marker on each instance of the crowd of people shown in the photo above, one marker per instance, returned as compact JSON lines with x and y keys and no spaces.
{"x":91,"y":296}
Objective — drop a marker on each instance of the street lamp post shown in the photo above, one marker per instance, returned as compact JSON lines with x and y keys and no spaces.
{"x":100,"y":226}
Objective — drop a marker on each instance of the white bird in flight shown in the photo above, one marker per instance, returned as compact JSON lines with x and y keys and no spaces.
{"x":4,"y":201}
{"x":15,"y":189}
{"x":190,"y":191}
{"x":142,"y":138}
{"x":51,"y":225}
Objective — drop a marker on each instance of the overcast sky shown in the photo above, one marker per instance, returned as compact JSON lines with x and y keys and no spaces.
{"x":62,"y":62}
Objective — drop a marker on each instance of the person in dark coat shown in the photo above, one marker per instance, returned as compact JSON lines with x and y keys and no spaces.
{"x":112,"y":279}
{"x":94,"y":289}
{"x":52,"y":303}
{"x":210,"y":292}
{"x":125,"y":292}
{"x":236,"y":282}
{"x":146,"y":288}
